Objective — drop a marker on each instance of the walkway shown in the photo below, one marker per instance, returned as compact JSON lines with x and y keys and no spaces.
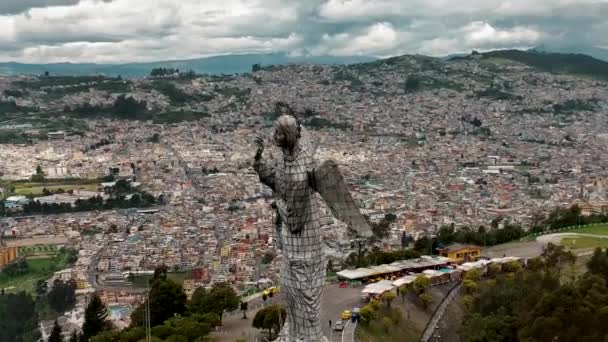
{"x":439,"y":312}
{"x":348,"y":334}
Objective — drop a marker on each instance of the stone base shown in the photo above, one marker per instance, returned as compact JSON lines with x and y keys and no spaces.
{"x":285,"y":333}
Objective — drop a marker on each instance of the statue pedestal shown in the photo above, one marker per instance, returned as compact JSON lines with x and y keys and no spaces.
{"x":283,"y":335}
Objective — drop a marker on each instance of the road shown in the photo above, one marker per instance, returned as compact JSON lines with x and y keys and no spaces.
{"x":333,"y":302}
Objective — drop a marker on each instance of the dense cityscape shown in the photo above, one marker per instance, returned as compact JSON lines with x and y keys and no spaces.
{"x":140,"y":173}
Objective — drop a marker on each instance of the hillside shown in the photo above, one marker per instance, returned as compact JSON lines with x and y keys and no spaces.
{"x":592,"y":51}
{"x":574,"y":64}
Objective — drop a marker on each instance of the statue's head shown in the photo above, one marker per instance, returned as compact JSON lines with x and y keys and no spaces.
{"x":286,"y":131}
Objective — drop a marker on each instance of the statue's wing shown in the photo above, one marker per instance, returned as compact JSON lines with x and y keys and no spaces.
{"x":330,"y":184}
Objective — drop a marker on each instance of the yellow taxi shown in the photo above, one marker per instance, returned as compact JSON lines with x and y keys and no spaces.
{"x":345,"y":315}
{"x":274,"y":290}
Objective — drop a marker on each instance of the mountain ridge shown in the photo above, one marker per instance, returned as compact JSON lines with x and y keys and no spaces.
{"x":225,"y":64}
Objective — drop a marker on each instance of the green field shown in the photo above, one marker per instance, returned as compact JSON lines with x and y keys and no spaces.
{"x":583,"y":242}
{"x":38,"y":269}
{"x":37,"y":188}
{"x":598,"y":230}
{"x":140,"y":281}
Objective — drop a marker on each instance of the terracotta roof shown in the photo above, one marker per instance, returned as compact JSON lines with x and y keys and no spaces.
{"x":453,"y":247}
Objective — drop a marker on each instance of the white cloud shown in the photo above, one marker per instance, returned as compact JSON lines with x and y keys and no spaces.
{"x":143,"y":30}
{"x":479,"y":33}
{"x":377,"y":39}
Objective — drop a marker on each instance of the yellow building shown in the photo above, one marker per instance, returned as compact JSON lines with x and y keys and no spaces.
{"x":8,"y":254}
{"x":460,"y":252}
{"x":225,"y":252}
{"x":82,"y":284}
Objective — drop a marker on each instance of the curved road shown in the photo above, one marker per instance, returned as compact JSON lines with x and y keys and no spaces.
{"x":557,"y":237}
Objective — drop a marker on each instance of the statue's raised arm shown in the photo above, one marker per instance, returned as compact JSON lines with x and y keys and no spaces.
{"x":329,"y":183}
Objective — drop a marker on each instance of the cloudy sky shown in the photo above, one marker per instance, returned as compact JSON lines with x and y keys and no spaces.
{"x":112,"y":31}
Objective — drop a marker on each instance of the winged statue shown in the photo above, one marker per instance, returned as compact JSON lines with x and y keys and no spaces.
{"x":294,"y":180}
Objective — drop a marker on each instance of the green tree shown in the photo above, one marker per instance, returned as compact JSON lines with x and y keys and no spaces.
{"x":167,"y":298}
{"x":395,"y":316}
{"x":493,"y":270}
{"x":598,"y":264}
{"x":62,"y":296}
{"x":39,"y":175}
{"x":19,"y":320}
{"x":219,"y":299}
{"x":470,"y":286}
{"x":420,"y":284}
{"x":426,"y":299}
{"x":557,"y":256}
{"x":473,"y":275}
{"x":403,"y":291}
{"x":467,"y":301}
{"x":55,"y":333}
{"x":367,"y":313}
{"x":386,"y":324}
{"x":94,"y":318}
{"x":388,"y":297}
{"x":270,"y":318}
{"x":512,"y":267}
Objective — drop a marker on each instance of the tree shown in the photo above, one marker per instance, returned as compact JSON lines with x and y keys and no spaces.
{"x":470,"y":286}
{"x":219,"y":299}
{"x":403,"y":291}
{"x":557,"y":256}
{"x":512,"y":267}
{"x":94,"y":318}
{"x":598,"y":264}
{"x":244,"y":306}
{"x":271,"y":318}
{"x":386,"y":324}
{"x":367,"y":314}
{"x":167,"y":298}
{"x":426,"y":299}
{"x":420,"y":284}
{"x":62,"y":296}
{"x":39,"y":175}
{"x":467,"y":301}
{"x":493,"y":270}
{"x":19,"y":318}
{"x":388,"y":297}
{"x":55,"y":333}
{"x":473,"y":275}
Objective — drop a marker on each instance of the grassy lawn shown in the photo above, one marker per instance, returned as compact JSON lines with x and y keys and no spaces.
{"x":36,"y":189}
{"x":141,"y":280}
{"x":39,"y":268}
{"x":584,"y":242}
{"x":599,"y":230}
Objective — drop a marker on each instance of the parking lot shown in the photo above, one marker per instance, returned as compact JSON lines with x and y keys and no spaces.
{"x":334,"y":301}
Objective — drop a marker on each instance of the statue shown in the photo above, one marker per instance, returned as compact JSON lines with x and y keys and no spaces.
{"x":294,"y":180}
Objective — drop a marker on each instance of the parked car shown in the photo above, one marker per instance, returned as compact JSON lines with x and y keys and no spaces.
{"x":339,"y":326}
